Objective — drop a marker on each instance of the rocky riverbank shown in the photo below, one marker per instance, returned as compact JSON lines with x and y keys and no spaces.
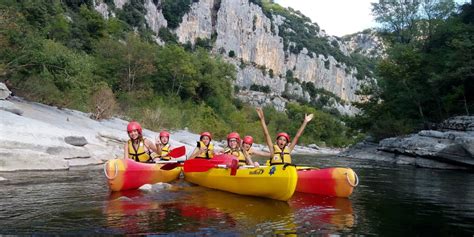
{"x":450,"y":146}
{"x":34,"y":136}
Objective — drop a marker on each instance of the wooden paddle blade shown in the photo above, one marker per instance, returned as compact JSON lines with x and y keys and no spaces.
{"x":178,"y":152}
{"x":198,"y":165}
{"x":170,"y":166}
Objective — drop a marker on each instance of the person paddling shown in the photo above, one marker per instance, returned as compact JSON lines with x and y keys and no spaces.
{"x":280,"y":152}
{"x":233,"y":148}
{"x":137,"y":147}
{"x":247,"y":143}
{"x":163,"y":146}
{"x":204,"y":148}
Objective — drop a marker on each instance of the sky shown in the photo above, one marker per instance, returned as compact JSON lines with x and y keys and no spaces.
{"x":337,"y":17}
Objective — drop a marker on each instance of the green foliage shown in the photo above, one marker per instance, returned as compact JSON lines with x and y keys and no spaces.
{"x":55,"y":75}
{"x":255,"y":87}
{"x":126,"y":65}
{"x":231,"y":53}
{"x":425,"y":78}
{"x":204,"y":43}
{"x":167,"y":36}
{"x":174,"y":10}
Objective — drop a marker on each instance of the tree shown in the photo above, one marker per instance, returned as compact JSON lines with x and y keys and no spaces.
{"x":408,"y":21}
{"x":126,"y":64}
{"x":176,"y":71}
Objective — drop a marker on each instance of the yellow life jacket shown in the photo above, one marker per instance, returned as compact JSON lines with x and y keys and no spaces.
{"x":237,"y":153}
{"x":140,"y":154}
{"x":164,"y":152}
{"x":209,"y":153}
{"x":279,"y":156}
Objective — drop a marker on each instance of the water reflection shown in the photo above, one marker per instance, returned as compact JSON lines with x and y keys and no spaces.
{"x":197,"y":209}
{"x":321,"y":213}
{"x":252,"y":214}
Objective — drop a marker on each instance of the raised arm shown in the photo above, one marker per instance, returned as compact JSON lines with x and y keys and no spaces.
{"x":268,"y":139}
{"x":307,"y":118}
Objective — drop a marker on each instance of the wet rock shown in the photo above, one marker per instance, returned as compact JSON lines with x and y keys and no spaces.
{"x":76,"y":140}
{"x":314,"y":146}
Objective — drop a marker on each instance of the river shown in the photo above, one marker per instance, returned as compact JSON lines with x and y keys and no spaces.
{"x":389,"y":201}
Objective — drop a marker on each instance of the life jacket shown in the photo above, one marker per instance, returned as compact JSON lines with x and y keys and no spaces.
{"x":237,"y":153}
{"x":140,"y":154}
{"x":279,"y":156}
{"x":209,"y":153}
{"x":164,"y":152}
{"x":250,"y":151}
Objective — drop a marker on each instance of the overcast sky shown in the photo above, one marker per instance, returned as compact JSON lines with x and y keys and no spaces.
{"x":337,"y":17}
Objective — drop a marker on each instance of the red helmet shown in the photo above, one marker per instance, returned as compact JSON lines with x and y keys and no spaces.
{"x":207,"y":134}
{"x":285,"y":135}
{"x":248,"y":140}
{"x":233,"y":135}
{"x":134,"y":126}
{"x":164,"y":134}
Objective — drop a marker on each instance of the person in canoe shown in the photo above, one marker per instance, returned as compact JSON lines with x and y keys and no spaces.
{"x":280,"y":152}
{"x":204,"y":148}
{"x":163,"y":146}
{"x":233,"y":148}
{"x":247,"y":143}
{"x":138,"y":148}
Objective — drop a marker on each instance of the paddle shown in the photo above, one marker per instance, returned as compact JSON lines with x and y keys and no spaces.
{"x":175,"y":153}
{"x":203,"y":165}
{"x":198,"y":165}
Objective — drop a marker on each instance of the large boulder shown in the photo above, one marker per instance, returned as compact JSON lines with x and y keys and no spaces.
{"x":4,"y":91}
{"x":452,"y":146}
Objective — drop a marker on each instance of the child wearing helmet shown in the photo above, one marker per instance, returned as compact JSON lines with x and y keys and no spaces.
{"x":280,"y":152}
{"x":247,"y":143}
{"x":204,"y":148}
{"x":233,"y":148}
{"x":163,"y":146}
{"x":138,"y":148}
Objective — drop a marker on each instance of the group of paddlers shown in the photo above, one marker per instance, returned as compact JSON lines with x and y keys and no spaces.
{"x":143,"y":150}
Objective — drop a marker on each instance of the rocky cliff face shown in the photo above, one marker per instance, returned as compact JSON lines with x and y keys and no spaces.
{"x":245,"y":36}
{"x":366,"y":43}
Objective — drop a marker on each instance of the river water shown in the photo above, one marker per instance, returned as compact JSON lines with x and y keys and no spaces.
{"x":389,"y":201}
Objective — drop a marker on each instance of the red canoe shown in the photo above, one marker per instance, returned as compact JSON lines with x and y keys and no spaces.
{"x":335,"y":182}
{"x":126,"y":174}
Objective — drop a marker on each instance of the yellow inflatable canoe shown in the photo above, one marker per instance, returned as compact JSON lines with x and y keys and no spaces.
{"x":275,"y":182}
